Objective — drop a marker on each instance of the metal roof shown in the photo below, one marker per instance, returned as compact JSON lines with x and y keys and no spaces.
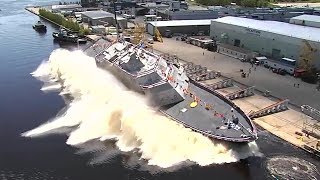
{"x":152,"y":5}
{"x":290,"y":60}
{"x":66,"y":6}
{"x":306,"y":17}
{"x":201,"y":22}
{"x":97,"y":14}
{"x":286,"y":29}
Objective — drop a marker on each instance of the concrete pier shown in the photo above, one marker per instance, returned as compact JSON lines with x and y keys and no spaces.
{"x":35,"y":11}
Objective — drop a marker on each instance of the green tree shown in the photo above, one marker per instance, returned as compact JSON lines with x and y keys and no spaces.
{"x":249,"y":3}
{"x":59,"y":19}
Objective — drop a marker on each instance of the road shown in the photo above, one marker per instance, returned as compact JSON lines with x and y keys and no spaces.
{"x":263,"y":79}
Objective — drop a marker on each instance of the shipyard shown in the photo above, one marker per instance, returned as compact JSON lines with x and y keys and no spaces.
{"x":223,"y":89}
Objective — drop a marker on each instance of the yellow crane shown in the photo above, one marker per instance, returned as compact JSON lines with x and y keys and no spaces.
{"x":157,"y":35}
{"x":137,"y":34}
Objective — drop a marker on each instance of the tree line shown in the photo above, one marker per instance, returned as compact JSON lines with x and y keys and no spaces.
{"x":67,"y":23}
{"x":59,"y":19}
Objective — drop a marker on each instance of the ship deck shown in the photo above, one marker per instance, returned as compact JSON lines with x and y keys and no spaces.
{"x":209,"y":122}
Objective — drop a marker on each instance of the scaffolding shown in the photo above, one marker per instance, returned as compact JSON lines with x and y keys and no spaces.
{"x":137,"y":34}
{"x":311,"y":121}
{"x":311,"y":127}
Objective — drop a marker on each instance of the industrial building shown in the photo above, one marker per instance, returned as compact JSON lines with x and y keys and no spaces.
{"x":65,"y":8}
{"x":147,"y":8}
{"x":88,"y":3}
{"x":306,"y":20}
{"x":275,"y":40}
{"x":188,"y":14}
{"x":189,"y":27}
{"x":94,"y":18}
{"x":165,"y":5}
{"x":272,"y":14}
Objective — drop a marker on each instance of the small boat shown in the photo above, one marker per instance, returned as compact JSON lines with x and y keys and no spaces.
{"x":39,"y":26}
{"x":65,"y":36}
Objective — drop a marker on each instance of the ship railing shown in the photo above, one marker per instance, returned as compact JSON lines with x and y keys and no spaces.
{"x":237,"y":108}
{"x":144,"y":73}
{"x":126,"y":72}
{"x":154,"y":85}
{"x":244,"y":139}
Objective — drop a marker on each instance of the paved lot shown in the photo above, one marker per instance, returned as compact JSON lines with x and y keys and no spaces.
{"x":263,"y":79}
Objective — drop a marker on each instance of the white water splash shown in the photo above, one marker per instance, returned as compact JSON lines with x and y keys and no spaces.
{"x":102,"y":109}
{"x":51,"y":87}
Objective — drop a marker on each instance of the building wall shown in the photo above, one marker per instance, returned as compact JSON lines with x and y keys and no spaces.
{"x":192,"y":15}
{"x":122,"y":23}
{"x":305,"y":23}
{"x":189,"y":30}
{"x":230,"y":52}
{"x":150,"y":29}
{"x":265,"y":43}
{"x":95,"y":22}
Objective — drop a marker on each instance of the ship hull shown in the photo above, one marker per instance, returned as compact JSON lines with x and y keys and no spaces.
{"x":67,"y":39}
{"x":130,"y":82}
{"x":39,"y":28}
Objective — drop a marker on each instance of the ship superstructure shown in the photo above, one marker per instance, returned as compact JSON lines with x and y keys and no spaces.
{"x":144,"y":71}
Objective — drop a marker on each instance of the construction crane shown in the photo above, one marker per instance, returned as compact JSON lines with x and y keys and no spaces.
{"x":307,"y":56}
{"x":137,"y":34}
{"x":157,"y":35}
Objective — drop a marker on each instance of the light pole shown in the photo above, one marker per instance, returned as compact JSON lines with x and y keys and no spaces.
{"x":78,"y":43}
{"x":115,"y":18}
{"x":318,"y":80}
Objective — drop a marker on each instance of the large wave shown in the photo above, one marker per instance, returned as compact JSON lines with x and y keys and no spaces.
{"x":102,"y":109}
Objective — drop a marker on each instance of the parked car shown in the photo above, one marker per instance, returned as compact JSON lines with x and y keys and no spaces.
{"x":279,"y":71}
{"x":150,"y":40}
{"x":274,"y":70}
{"x":282,"y":72}
{"x":183,"y":37}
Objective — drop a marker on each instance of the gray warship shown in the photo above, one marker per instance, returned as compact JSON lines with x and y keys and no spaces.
{"x":169,"y":89}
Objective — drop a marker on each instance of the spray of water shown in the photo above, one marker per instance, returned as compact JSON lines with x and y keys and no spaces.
{"x":102,"y":108}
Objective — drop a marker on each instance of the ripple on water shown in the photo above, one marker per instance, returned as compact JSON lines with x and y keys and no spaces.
{"x":286,"y":167}
{"x":30,"y":174}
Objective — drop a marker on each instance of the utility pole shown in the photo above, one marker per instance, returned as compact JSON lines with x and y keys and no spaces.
{"x":318,"y":81}
{"x":115,"y":18}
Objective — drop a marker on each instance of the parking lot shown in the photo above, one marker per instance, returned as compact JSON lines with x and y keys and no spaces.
{"x":284,"y":87}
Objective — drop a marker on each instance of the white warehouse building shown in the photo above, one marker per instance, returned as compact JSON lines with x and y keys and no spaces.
{"x":306,"y":20}
{"x":275,"y":40}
